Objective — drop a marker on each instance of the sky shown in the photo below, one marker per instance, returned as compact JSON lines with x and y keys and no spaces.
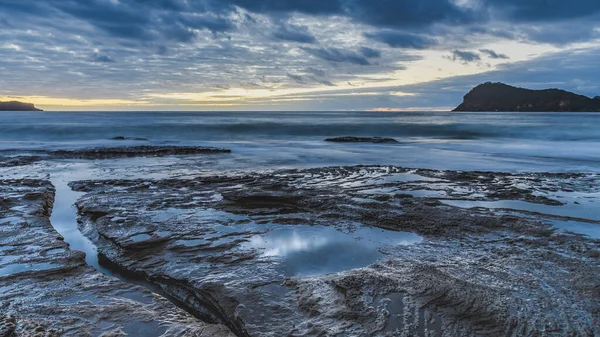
{"x":318,"y":55}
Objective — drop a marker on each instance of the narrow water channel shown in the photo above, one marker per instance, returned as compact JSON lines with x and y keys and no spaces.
{"x":64,"y":220}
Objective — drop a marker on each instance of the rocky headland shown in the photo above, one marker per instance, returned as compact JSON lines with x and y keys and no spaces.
{"x":505,"y":98}
{"x":17,"y":106}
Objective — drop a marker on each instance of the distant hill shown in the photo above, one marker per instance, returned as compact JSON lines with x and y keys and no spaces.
{"x":502,"y":97}
{"x":17,"y":106}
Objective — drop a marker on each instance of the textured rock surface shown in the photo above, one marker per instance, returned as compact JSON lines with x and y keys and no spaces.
{"x":12,"y":161}
{"x":478,"y":271}
{"x":10,"y":158}
{"x":134,"y":151}
{"x":46,"y":289}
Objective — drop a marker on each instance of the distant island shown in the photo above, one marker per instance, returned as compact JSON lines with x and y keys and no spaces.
{"x":18,"y":106}
{"x":502,"y":97}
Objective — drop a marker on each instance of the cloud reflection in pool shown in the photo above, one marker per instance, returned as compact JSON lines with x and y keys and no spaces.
{"x":316,"y":250}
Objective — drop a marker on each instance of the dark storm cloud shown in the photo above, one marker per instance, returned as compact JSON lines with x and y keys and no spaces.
{"x":316,"y":72}
{"x":27,"y":7}
{"x":408,"y":13}
{"x":209,"y":21}
{"x":385,"y":13}
{"x":502,"y":32}
{"x":305,"y":79}
{"x":542,"y":10}
{"x":293,"y":33}
{"x":402,"y":21}
{"x":339,"y":55}
{"x":397,"y":39}
{"x":319,"y":7}
{"x":563,"y":33}
{"x":121,"y":20}
{"x":493,"y":55}
{"x":370,"y":52}
{"x":173,"y":5}
{"x":162,"y":50}
{"x":4,"y":23}
{"x":464,"y":56}
{"x":296,"y":78}
{"x":175,"y":19}
{"x":102,"y":59}
{"x":131,"y":19}
{"x":324,"y":82}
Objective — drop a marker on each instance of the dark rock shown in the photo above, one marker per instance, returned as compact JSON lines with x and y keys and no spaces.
{"x":18,"y":160}
{"x":134,"y":151}
{"x":128,"y":138}
{"x":501,"y":97}
{"x":17,"y":106}
{"x":57,"y":294}
{"x":11,"y":159}
{"x":361,"y":140}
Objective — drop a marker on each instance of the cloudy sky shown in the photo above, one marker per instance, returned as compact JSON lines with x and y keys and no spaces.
{"x":290,"y":54}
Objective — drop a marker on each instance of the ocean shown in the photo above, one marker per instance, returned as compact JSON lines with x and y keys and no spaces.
{"x":513,"y":142}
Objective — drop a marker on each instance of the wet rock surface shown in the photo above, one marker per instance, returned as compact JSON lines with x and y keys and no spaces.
{"x":232,"y":250}
{"x":12,"y":161}
{"x":375,"y":140}
{"x":134,"y":151}
{"x":128,"y":138}
{"x":11,"y":158}
{"x":46,"y":289}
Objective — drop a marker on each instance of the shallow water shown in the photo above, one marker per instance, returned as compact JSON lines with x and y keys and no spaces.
{"x":315,"y":250}
{"x":591,"y":230}
{"x":25,"y":267}
{"x":64,"y":220}
{"x":140,"y":237}
{"x":571,"y":210}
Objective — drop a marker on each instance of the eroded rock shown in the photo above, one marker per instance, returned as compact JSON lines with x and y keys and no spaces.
{"x":46,"y":289}
{"x":10,"y":158}
{"x":134,"y":151}
{"x":215,"y":244}
{"x":12,"y":161}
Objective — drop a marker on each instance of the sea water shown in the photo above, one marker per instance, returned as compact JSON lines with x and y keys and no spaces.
{"x":515,"y":142}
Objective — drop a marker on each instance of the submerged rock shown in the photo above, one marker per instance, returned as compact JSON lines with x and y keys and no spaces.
{"x":361,"y":140}
{"x":46,"y":289}
{"x":128,"y":138}
{"x":13,"y":158}
{"x":21,"y":160}
{"x":134,"y":151}
{"x":235,"y":250}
